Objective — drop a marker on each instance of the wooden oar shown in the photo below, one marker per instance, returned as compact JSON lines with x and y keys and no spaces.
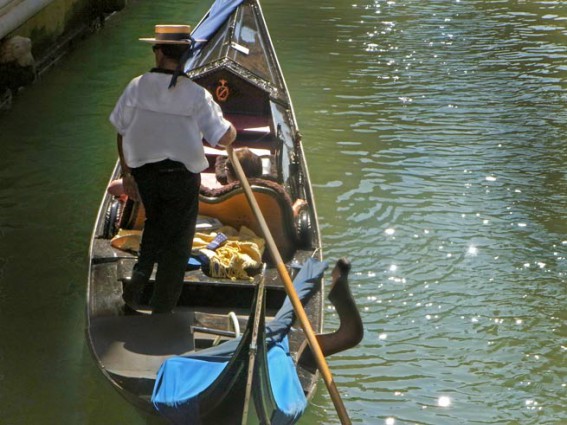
{"x":253,"y":350}
{"x":290,"y":290}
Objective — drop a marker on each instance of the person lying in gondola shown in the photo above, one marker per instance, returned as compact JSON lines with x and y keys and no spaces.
{"x":253,"y":168}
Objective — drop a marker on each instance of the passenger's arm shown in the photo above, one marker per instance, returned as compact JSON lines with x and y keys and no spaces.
{"x":128,"y":182}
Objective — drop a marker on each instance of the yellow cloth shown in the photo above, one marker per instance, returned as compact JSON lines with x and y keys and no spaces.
{"x":243,"y":250}
{"x":127,"y":240}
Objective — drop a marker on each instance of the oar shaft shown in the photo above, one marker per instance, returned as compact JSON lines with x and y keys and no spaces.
{"x":290,"y":290}
{"x":253,"y":346}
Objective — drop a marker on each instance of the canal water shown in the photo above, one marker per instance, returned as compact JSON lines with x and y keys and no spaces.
{"x":435,"y":133}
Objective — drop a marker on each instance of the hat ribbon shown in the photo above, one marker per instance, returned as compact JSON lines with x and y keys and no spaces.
{"x":184,"y":58}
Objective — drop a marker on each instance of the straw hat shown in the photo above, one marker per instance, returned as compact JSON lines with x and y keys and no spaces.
{"x":170,"y":34}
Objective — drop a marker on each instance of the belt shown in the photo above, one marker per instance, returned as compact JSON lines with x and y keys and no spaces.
{"x":165,"y":166}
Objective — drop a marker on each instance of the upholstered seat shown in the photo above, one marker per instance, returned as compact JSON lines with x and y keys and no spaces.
{"x":133,"y":216}
{"x":229,"y":204}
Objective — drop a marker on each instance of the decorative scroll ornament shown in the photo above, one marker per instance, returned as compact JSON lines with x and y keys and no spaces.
{"x":222,"y":92}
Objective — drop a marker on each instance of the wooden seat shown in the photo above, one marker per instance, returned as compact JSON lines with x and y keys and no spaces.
{"x":230,"y":206}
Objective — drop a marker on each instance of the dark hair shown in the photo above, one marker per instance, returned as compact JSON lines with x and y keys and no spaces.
{"x":172,"y":51}
{"x":251,"y":164}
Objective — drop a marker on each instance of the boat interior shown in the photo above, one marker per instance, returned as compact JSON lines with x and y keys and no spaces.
{"x":130,"y":345}
{"x":264,"y":128}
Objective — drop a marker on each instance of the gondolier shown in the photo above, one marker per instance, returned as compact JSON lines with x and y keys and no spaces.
{"x":161,"y":119}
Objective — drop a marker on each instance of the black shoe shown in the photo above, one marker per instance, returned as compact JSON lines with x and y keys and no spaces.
{"x":133,"y":289}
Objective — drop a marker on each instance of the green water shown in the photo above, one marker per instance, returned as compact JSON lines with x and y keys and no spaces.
{"x":435,"y":135}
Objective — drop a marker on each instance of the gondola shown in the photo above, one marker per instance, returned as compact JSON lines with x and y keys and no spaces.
{"x":220,"y":314}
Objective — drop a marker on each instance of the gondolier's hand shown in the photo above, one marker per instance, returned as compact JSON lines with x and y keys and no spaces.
{"x":128,"y":183}
{"x":228,"y":137}
{"x":130,"y":187}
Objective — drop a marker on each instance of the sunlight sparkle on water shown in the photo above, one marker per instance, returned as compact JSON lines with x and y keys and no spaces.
{"x":444,"y":401}
{"x":473,"y":250}
{"x":390,"y":421}
{"x":532,"y":405}
{"x":390,"y":231}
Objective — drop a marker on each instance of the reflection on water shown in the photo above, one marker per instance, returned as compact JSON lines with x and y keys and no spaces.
{"x":451,"y":206}
{"x":435,"y":137}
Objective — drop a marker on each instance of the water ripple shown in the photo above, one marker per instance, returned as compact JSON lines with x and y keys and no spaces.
{"x":453,"y":213}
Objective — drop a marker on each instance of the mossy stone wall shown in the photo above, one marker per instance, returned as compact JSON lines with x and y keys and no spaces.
{"x":61,"y":17}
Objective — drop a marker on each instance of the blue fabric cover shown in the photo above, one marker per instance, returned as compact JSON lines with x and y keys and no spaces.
{"x":304,"y":283}
{"x":217,"y":16}
{"x":181,"y":380}
{"x":286,"y":387}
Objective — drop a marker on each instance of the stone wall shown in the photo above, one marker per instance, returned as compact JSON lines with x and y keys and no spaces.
{"x":42,"y":38}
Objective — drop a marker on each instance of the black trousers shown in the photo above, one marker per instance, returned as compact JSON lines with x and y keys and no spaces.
{"x":170,"y":194}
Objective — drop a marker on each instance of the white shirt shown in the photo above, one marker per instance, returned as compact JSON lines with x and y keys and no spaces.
{"x":157,"y":123}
